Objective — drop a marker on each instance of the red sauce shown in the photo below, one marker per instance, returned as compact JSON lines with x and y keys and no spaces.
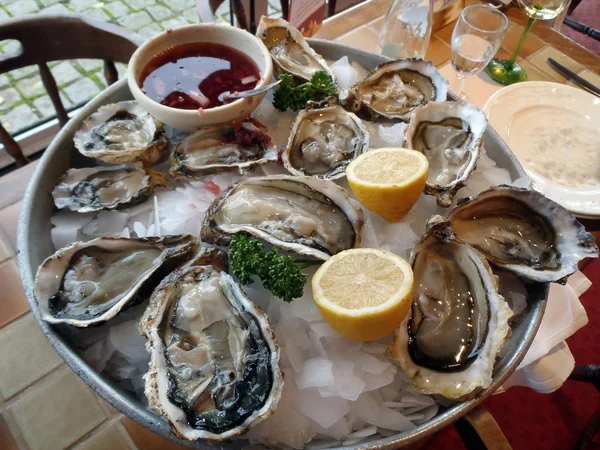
{"x":192,"y":76}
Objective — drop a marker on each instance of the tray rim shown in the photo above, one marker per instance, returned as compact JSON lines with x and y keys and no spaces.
{"x":122,"y":400}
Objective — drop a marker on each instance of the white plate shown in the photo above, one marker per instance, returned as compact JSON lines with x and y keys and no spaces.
{"x":554,"y":131}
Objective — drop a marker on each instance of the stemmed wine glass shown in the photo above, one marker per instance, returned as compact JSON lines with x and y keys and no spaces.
{"x":509,"y":72}
{"x":476,"y":38}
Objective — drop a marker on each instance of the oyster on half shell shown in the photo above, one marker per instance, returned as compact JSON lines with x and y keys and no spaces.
{"x":90,"y":282}
{"x":324,"y":141}
{"x":239,"y":146}
{"x":122,"y":132}
{"x":458,"y":322}
{"x":213,"y":369}
{"x":303,"y":215}
{"x":524,"y":232}
{"x":450,"y":134}
{"x":289,"y":51}
{"x":395,"y":88}
{"x":94,"y":189}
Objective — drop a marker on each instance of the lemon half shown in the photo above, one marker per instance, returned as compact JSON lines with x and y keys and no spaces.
{"x":388,"y":181}
{"x":364,"y":293}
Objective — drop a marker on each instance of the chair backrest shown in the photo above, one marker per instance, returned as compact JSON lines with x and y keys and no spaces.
{"x":56,"y":37}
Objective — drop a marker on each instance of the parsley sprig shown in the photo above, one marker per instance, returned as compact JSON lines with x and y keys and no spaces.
{"x":281,"y":274}
{"x":295,"y":97}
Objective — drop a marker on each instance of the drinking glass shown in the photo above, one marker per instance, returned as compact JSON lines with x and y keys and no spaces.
{"x":476,"y":38}
{"x":509,"y":72}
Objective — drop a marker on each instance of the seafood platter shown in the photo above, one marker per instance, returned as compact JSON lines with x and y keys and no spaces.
{"x":357,"y":264}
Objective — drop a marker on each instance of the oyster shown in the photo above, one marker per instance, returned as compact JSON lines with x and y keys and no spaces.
{"x":395,"y":88}
{"x":122,"y":132}
{"x":525,"y":232}
{"x":324,"y":141}
{"x":289,"y":51}
{"x":458,"y":322}
{"x":213,"y":369}
{"x":304,"y":215}
{"x":240,"y":146}
{"x":90,"y":282}
{"x":93,"y":189}
{"x":450,"y":134}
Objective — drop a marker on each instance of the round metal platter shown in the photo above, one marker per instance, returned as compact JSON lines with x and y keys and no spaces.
{"x":35,"y":245}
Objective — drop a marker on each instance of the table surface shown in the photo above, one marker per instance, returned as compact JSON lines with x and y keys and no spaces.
{"x":43,"y":382}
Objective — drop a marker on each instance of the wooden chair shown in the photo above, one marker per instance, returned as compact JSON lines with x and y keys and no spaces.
{"x":46,"y":37}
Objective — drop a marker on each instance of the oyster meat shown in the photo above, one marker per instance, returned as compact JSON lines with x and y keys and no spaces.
{"x":289,"y":51}
{"x":122,"y":132}
{"x":213,"y":369}
{"x":458,"y":322}
{"x":93,"y":189}
{"x":450,"y":134}
{"x":240,"y":146}
{"x":395,"y":88}
{"x":524,"y":232}
{"x":91,"y":282}
{"x":324,"y":141}
{"x":304,"y":215}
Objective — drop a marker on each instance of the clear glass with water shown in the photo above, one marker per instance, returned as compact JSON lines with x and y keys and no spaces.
{"x":406,"y":29}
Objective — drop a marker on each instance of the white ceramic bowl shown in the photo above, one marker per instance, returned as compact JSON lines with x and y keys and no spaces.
{"x":190,"y":120}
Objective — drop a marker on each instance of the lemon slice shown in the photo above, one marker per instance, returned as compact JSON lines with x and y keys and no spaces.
{"x":363,"y":293}
{"x":388,"y":181}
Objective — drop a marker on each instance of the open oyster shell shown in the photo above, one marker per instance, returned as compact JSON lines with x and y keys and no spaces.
{"x":122,"y":132}
{"x":450,"y":134}
{"x":218,"y":148}
{"x":94,"y":189}
{"x":213,"y":369}
{"x":458,"y":322}
{"x":289,"y":51}
{"x":304,"y":215}
{"x":395,"y":88}
{"x":90,"y":282}
{"x":324,"y":141}
{"x":525,"y":232}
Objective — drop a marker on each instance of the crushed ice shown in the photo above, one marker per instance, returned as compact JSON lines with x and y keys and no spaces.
{"x":336,"y":392}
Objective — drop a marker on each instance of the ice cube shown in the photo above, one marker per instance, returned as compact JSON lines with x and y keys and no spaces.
{"x":346,"y":383}
{"x":305,"y":307}
{"x":316,"y":372}
{"x":373,"y":382}
{"x":126,"y":340}
{"x":394,"y":135}
{"x":324,"y":411}
{"x":110,"y":223}
{"x":346,"y":75}
{"x":63,"y":235}
{"x":338,"y":430}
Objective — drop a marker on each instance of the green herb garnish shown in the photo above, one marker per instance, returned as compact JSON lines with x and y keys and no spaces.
{"x":288,"y":95}
{"x":281,"y":274}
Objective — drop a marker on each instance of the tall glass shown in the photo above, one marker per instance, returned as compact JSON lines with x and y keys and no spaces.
{"x":508,"y":71}
{"x":406,"y":29}
{"x":476,"y":38}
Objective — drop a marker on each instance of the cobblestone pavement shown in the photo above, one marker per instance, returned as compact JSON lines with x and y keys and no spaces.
{"x":23,"y":100}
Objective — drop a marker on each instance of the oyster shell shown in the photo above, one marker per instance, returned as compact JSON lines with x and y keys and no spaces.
{"x":218,"y":148}
{"x":213,"y":369}
{"x":122,"y":132}
{"x":289,"y":51}
{"x":93,"y":189}
{"x":304,"y":215}
{"x":458,"y":322}
{"x":395,"y":88}
{"x":450,"y":134}
{"x":525,"y":232}
{"x":91,"y":282}
{"x":323,"y":141}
